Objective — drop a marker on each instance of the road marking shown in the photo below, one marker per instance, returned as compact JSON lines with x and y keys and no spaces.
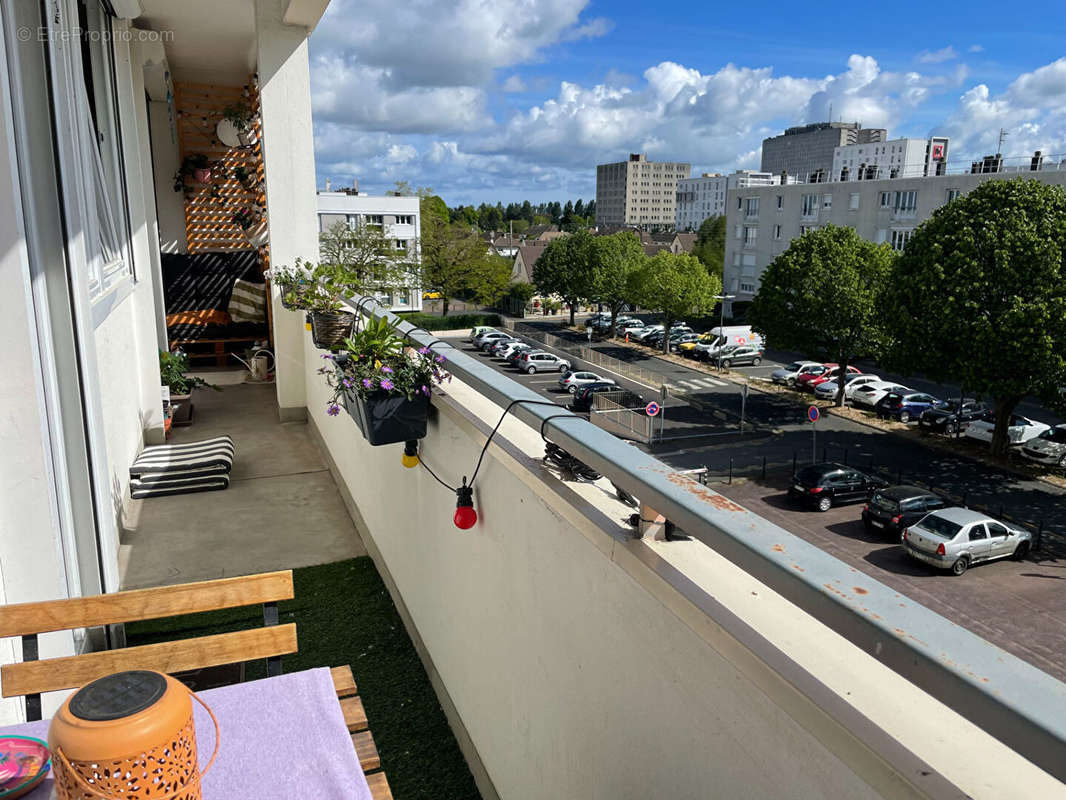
{"x":713,"y":382}
{"x":555,"y":381}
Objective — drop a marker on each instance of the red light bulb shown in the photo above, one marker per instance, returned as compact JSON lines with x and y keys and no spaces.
{"x":465,"y":516}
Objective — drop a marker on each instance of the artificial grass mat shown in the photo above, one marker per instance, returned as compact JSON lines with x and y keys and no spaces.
{"x":344,"y":615}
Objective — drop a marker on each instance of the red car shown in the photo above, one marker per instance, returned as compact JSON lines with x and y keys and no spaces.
{"x":808,"y":380}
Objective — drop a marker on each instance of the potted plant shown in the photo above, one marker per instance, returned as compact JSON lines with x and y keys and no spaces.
{"x":294,"y":283}
{"x":197,"y":166}
{"x":237,"y":128}
{"x":173,"y":369}
{"x":330,"y":285}
{"x":245,"y":178}
{"x":384,"y":386}
{"x":252,"y":224}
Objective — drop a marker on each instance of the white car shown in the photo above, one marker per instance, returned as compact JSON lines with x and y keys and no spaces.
{"x":648,"y":330}
{"x":828,"y":389}
{"x":534,"y":361}
{"x":631,"y":327}
{"x":787,"y":375}
{"x":1048,"y":448}
{"x":856,"y":383}
{"x":869,"y":394}
{"x":510,"y":347}
{"x":1021,"y":429}
{"x":486,"y":340}
{"x":575,"y":380}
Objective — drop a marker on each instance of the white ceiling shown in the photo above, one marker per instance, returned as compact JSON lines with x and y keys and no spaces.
{"x":207,"y":41}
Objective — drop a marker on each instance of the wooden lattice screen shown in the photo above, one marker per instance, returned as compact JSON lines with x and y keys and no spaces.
{"x":209,"y":207}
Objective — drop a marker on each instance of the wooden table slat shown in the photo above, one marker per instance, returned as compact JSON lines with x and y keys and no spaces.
{"x":379,"y":786}
{"x":366,"y":750}
{"x":354,"y":715}
{"x":343,"y":681}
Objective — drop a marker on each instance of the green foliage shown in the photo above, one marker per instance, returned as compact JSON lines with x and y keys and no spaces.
{"x":979,"y":295}
{"x":521,"y":292}
{"x":172,"y":372}
{"x":676,"y":285}
{"x":239,"y":114}
{"x":568,"y":268}
{"x":433,"y":207}
{"x":519,"y":226}
{"x":619,"y":259}
{"x":489,"y":279}
{"x":542,"y":219}
{"x":431,"y":322}
{"x":456,"y":260}
{"x":359,"y":261}
{"x":710,"y":244}
{"x":823,"y":295}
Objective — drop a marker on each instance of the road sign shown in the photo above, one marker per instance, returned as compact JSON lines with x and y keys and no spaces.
{"x":651,"y":409}
{"x":813,"y":414}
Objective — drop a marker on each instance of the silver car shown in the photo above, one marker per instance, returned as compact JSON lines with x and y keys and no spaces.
{"x":956,"y":538}
{"x":1048,"y":448}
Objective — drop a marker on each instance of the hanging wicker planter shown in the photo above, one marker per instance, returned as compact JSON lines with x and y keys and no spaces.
{"x":292,"y":295}
{"x":329,"y":330}
{"x":386,"y":418}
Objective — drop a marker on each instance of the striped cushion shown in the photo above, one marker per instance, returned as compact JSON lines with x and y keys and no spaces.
{"x":248,"y":302}
{"x":217,"y":453}
{"x":176,"y":483}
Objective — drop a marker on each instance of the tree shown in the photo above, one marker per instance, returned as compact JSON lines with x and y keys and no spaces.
{"x":710,"y":244}
{"x":541,"y":219}
{"x":620,"y":257}
{"x":367,"y":258}
{"x":453,"y":258}
{"x":979,"y":296}
{"x":519,"y":226}
{"x":490,"y":217}
{"x":823,"y":296}
{"x":579,"y":208}
{"x":675,"y":284}
{"x":431,"y":205}
{"x":527,"y":211}
{"x":567,"y":268}
{"x":489,"y":278}
{"x":590,"y":211}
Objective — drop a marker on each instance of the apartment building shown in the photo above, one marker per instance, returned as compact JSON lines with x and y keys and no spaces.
{"x":898,"y":158}
{"x":638,"y":192}
{"x":398,"y":217}
{"x":763,"y":220}
{"x":704,"y":197}
{"x":807,"y":151}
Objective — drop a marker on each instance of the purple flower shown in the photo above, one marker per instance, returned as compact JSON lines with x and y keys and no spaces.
{"x":368,"y":383}
{"x":423,"y":351}
{"x":387,"y":385}
{"x":333,"y":410}
{"x":425,"y":390}
{"x":386,"y":368}
{"x":347,"y":383}
{"x":441,"y":359}
{"x":329,"y":356}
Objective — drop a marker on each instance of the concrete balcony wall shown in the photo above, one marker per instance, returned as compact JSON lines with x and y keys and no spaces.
{"x":584,"y":663}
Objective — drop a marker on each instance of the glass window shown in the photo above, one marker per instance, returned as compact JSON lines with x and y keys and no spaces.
{"x":886,"y":199}
{"x":809,"y":205}
{"x":952,"y":194}
{"x":751,"y":207}
{"x":777,"y":231}
{"x":906,"y":202}
{"x":750,"y":233}
{"x":780,"y":202}
{"x":853,"y":201}
{"x":827,"y":201}
{"x":978,"y":532}
{"x":900,"y":239}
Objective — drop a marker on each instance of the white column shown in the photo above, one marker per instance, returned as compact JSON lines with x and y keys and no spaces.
{"x":289,"y":160}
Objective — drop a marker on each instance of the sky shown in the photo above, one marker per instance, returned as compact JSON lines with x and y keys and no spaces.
{"x":509,"y":100}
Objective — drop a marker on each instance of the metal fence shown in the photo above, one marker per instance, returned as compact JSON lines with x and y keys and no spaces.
{"x":592,"y":356}
{"x":609,"y":413}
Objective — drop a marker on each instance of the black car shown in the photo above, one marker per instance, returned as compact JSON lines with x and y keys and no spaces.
{"x":946,"y":417}
{"x":583,"y":396}
{"x":825,"y":485}
{"x":897,"y":507}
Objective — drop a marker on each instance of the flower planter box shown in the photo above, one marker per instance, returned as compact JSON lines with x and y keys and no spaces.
{"x":328,"y":331}
{"x":386,"y":418}
{"x":299,"y":293}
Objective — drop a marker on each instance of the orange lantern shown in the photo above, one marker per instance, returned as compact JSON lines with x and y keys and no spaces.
{"x":125,"y":736}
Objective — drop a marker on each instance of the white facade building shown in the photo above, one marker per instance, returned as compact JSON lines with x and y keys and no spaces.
{"x":400,"y":220}
{"x":763,"y":220}
{"x":704,"y":197}
{"x":898,"y":158}
{"x":638,"y":192}
{"x":88,"y":123}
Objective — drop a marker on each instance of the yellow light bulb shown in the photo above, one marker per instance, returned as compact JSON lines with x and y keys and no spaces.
{"x":409,"y":461}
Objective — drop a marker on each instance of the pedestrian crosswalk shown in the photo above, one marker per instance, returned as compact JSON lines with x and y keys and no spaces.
{"x":700,"y":383}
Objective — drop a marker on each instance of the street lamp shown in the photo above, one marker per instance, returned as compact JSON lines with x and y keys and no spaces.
{"x":721,"y":325}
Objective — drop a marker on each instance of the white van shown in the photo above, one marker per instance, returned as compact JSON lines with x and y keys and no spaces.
{"x":734,"y":334}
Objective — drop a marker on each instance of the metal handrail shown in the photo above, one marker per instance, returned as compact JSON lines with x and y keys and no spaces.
{"x":1010,"y":699}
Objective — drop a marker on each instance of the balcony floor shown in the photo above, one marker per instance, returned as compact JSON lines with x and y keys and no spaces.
{"x":282,"y":509}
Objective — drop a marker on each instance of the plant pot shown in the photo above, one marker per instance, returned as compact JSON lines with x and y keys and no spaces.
{"x":257,"y":234}
{"x":248,"y":137}
{"x":285,"y":290}
{"x":329,"y":330}
{"x":202,"y":175}
{"x":389,"y":418}
{"x":182,"y":409}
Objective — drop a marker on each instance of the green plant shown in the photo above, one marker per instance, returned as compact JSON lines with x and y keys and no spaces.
{"x":375,"y":360}
{"x":241,"y":174}
{"x":173,"y":367}
{"x":432,"y":322}
{"x":245,"y":217}
{"x":239,"y":114}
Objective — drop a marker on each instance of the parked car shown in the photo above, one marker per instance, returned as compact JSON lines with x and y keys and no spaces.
{"x":871,"y":393}
{"x":519,"y":351}
{"x":892,"y":509}
{"x":948,"y":416}
{"x":632,"y":327}
{"x":904,"y":406}
{"x":827,"y":390}
{"x":583,"y":396}
{"x":573,"y":381}
{"x":493,"y":332}
{"x":539,"y":361}
{"x":685,"y":338}
{"x":1048,"y":448}
{"x":486,"y":340}
{"x":957,"y":538}
{"x":809,"y":381}
{"x":647,"y":331}
{"x":710,"y":350}
{"x":498,"y":345}
{"x":689,"y":348}
{"x":477,"y":330}
{"x":599,"y":315}
{"x":857,"y":383}
{"x":504,"y":351}
{"x":742,"y":355}
{"x":1021,"y":429}
{"x":787,"y":375}
{"x":825,"y":485}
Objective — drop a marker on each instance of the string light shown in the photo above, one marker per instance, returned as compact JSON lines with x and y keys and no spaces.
{"x":465,"y":516}
{"x":410,"y":454}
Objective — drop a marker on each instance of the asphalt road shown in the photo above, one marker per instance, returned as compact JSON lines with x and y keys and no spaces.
{"x":1017,"y":605}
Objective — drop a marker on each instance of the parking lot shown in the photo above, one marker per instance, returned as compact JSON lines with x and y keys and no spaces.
{"x":1017,"y":605}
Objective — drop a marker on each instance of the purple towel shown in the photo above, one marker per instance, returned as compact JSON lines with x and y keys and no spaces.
{"x":282,"y":738}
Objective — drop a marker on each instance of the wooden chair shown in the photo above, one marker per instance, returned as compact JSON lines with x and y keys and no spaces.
{"x":32,"y":677}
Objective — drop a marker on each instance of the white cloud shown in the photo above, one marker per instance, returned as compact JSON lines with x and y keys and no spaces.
{"x":938,"y":56}
{"x":514,"y":84}
{"x":974,"y":48}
